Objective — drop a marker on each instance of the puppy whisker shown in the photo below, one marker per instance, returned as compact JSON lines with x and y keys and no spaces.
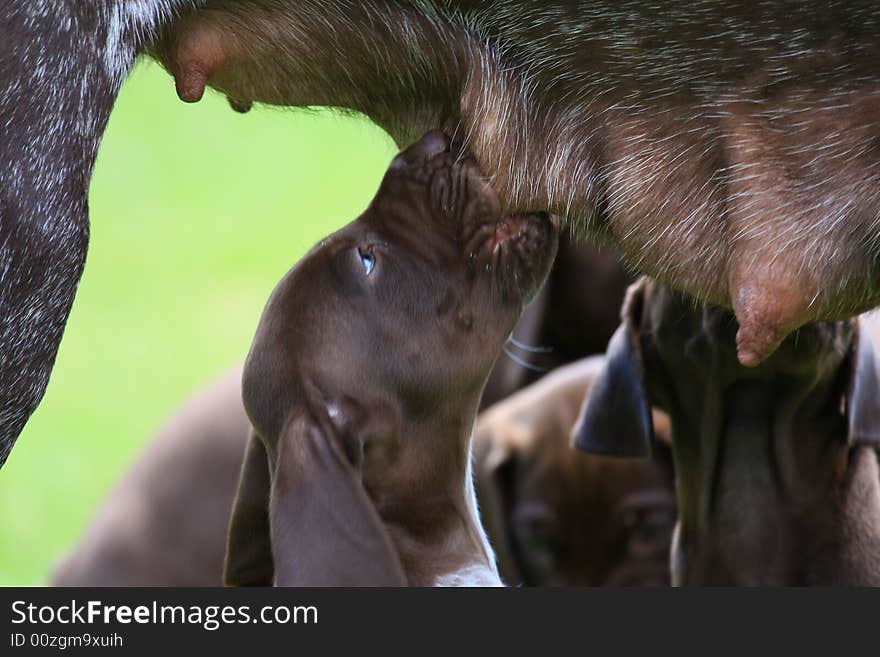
{"x":524,"y":347}
{"x":524,"y":363}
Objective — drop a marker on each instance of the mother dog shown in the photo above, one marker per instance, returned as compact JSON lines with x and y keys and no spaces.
{"x":728,"y":148}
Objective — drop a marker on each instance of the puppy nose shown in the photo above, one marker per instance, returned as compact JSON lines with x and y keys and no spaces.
{"x":431,"y":145}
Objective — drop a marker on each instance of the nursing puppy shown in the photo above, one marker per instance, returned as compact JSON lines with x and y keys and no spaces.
{"x":558,"y":516}
{"x":363,"y":381}
{"x":776,"y":468}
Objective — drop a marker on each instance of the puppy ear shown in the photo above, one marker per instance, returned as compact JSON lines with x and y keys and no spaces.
{"x":863,"y":400}
{"x":248,"y":550}
{"x":325,"y":530}
{"x":615,"y":419}
{"x":494,"y":480}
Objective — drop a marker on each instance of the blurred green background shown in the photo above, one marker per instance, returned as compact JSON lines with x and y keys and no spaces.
{"x":196,"y":212}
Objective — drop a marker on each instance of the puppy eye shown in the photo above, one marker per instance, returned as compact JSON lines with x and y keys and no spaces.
{"x":368,"y":260}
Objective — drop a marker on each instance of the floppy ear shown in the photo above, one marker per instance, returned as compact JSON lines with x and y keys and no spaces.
{"x":248,"y":551}
{"x":325,"y":530}
{"x":863,"y":400}
{"x":494,"y":480}
{"x":615,"y":419}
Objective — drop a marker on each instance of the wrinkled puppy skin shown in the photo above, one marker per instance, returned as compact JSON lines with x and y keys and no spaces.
{"x":729,"y":151}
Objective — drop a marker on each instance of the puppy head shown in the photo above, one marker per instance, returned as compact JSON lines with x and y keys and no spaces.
{"x":412,"y":300}
{"x":559,"y":517}
{"x":672,"y":352}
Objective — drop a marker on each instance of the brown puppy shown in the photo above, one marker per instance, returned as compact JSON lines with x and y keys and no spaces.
{"x":777,"y":473}
{"x":363,"y":381}
{"x":557,"y":516}
{"x":165,"y":521}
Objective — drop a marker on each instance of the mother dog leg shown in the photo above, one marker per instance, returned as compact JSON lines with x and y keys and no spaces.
{"x":61,"y":66}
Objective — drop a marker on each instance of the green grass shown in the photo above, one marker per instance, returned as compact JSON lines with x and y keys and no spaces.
{"x":196,"y":212}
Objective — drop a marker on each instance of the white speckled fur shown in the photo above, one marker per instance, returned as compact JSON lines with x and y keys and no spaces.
{"x":59,"y":82}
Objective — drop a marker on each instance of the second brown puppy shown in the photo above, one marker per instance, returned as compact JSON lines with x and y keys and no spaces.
{"x":557,"y":516}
